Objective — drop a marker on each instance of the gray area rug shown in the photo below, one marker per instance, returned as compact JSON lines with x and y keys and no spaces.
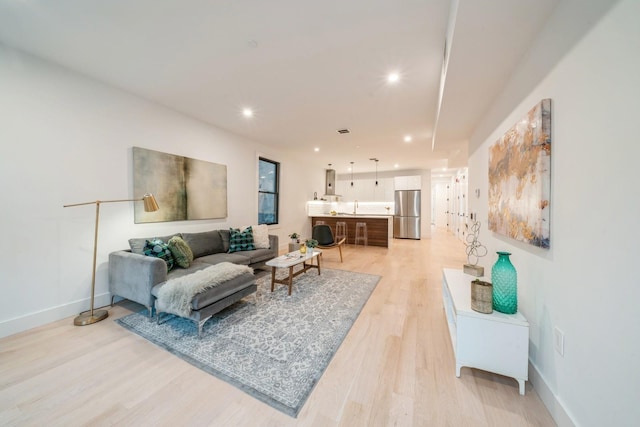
{"x":274,"y":347}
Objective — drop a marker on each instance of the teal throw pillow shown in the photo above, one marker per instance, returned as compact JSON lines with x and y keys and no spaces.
{"x":159,"y":249}
{"x":181,"y":251}
{"x":241,"y":240}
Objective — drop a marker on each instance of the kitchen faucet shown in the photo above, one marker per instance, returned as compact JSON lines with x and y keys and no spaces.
{"x":355,"y":206}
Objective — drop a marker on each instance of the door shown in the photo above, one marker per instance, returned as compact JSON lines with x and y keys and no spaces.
{"x":400,"y":203}
{"x":406,"y":227}
{"x":413,"y":227}
{"x":413,"y":203}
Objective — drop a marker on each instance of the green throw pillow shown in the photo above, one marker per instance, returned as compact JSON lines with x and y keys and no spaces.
{"x":181,"y":251}
{"x":159,"y":249}
{"x":241,"y":240}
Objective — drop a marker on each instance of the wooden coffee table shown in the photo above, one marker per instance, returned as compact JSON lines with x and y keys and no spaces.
{"x":290,"y":260}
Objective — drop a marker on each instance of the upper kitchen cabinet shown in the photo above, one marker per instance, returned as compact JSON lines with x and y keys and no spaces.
{"x":365,"y":190}
{"x":408,"y":182}
{"x":384,"y":190}
{"x":362,"y":190}
{"x":345,"y":190}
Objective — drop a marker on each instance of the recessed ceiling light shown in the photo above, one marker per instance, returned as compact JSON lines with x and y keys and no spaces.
{"x":247,"y":112}
{"x":396,"y":166}
{"x":393,"y":78}
{"x":316,"y":149}
{"x":408,"y":138}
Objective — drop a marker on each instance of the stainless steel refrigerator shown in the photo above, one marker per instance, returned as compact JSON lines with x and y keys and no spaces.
{"x":406,"y":219}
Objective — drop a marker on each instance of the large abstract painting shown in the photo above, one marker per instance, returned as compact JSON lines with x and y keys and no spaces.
{"x":186,"y":189}
{"x":520,"y":179}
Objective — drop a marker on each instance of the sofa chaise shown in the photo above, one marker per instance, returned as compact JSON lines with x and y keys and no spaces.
{"x":139,"y":278}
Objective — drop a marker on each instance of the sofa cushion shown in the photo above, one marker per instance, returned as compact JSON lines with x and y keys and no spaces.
{"x":216,"y":293}
{"x":213,"y":259}
{"x":159,"y":249}
{"x":179,"y":272}
{"x":259,"y":255}
{"x":241,"y":240}
{"x":205,"y":243}
{"x":137,"y":244}
{"x":181,"y":251}
{"x":223,"y":290}
{"x":225,"y":235}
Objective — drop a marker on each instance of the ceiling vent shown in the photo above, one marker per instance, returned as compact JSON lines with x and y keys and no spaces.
{"x":344,"y":131}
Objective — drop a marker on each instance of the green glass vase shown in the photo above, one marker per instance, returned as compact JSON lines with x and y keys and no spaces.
{"x":505,"y":285}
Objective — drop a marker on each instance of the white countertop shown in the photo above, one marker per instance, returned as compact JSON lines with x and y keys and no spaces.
{"x":459,"y":284}
{"x":381,"y":216}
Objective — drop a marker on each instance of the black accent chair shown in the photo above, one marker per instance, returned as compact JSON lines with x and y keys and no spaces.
{"x":323,"y":234}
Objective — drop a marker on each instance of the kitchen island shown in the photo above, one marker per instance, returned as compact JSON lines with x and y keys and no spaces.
{"x":377,"y":226}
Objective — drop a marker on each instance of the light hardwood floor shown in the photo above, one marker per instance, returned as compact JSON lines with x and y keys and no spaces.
{"x":395,"y":367}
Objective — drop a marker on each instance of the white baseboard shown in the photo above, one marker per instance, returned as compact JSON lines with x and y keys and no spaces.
{"x":49,"y":315}
{"x":549,"y":398}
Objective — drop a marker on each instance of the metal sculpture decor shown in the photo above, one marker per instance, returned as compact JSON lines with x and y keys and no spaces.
{"x":474,"y":250}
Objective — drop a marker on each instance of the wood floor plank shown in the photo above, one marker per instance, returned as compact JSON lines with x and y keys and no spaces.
{"x":395,"y":367}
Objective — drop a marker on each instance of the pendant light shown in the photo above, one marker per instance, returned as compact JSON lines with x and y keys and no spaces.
{"x":352,"y":174}
{"x":376,"y":160}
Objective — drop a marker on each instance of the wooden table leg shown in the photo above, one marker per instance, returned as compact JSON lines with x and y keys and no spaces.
{"x":290,"y":279}
{"x":319,"y":259}
{"x":273,"y":277}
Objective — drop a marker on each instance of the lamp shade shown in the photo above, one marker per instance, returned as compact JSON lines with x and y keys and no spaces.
{"x":150,"y":203}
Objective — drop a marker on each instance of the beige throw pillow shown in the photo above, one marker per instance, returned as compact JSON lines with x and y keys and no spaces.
{"x":260,"y":236}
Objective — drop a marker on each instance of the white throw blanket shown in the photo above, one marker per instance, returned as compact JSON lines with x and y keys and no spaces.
{"x":176,"y":295}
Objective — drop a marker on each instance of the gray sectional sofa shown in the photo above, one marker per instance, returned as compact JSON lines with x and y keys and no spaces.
{"x":137,"y":277}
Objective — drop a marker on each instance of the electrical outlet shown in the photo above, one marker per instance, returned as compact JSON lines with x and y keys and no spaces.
{"x":558,"y":341}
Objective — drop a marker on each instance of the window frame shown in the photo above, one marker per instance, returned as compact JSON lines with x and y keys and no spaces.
{"x":276,"y":193}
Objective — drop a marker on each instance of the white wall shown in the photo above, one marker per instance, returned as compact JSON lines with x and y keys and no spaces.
{"x":585,"y":284}
{"x":67,"y":139}
{"x":425,"y":204}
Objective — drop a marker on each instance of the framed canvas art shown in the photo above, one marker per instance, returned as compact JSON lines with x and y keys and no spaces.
{"x":520,"y":179}
{"x":186,"y":189}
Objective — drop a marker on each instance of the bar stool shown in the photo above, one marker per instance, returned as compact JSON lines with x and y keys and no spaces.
{"x":341,"y":230}
{"x":361,"y":233}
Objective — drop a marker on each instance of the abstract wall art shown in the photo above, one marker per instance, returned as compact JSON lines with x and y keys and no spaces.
{"x":520,"y":179}
{"x":186,"y":189}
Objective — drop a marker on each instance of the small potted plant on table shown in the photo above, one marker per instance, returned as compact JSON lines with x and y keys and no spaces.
{"x":310,"y":244}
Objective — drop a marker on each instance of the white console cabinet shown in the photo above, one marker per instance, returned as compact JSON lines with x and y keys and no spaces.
{"x":495,"y":342}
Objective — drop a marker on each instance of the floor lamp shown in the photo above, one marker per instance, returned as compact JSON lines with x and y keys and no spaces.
{"x":94,"y":316}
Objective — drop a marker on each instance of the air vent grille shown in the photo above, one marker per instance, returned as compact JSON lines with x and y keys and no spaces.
{"x":344,"y":131}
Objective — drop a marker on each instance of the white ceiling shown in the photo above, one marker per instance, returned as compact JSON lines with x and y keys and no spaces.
{"x":306,"y":68}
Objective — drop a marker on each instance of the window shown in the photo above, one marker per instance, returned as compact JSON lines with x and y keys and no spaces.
{"x":268,"y":177}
